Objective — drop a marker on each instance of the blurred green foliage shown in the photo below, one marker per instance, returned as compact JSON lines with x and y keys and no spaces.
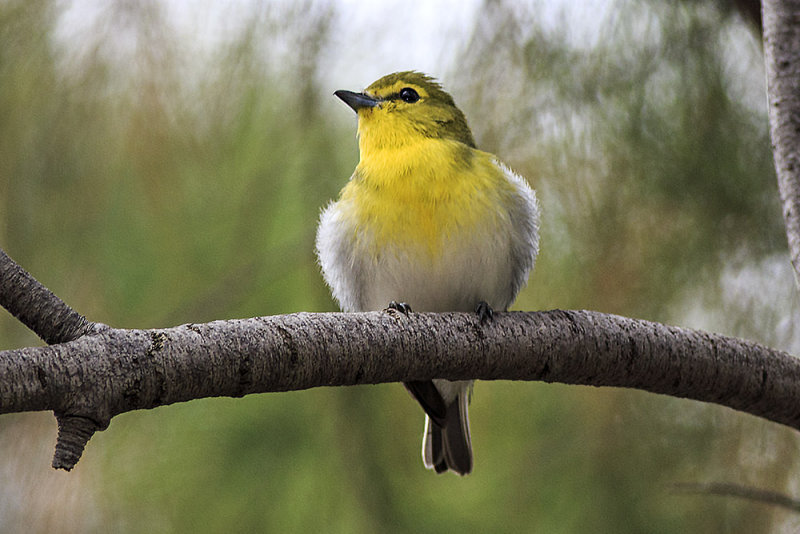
{"x":148,"y":187}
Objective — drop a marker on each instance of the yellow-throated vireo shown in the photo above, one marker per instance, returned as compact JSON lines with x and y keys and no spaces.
{"x":429,"y":220}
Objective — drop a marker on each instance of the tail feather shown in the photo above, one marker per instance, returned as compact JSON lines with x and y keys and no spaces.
{"x":457,"y":439}
{"x":433,"y":447}
{"x":449,"y":447}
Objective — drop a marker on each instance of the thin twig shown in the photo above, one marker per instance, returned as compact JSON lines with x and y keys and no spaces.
{"x":727,"y":489}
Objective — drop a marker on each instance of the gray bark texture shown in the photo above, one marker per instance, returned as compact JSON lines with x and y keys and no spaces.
{"x":111,"y":371}
{"x":782,"y":56}
{"x":36,"y":306}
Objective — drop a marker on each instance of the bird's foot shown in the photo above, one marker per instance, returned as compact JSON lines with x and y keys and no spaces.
{"x":484,"y":311}
{"x":402,"y":307}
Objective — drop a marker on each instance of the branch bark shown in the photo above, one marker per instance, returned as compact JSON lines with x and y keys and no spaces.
{"x":36,"y":306}
{"x":54,"y":321}
{"x":111,"y":371}
{"x":782,"y":55}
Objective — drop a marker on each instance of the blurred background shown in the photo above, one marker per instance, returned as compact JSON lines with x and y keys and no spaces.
{"x":166,"y":162}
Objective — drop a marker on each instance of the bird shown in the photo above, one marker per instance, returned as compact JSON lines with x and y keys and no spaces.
{"x":429,"y":223}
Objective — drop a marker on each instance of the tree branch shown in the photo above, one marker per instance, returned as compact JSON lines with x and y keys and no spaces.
{"x":782,"y":55}
{"x":36,"y":306}
{"x":112,"y":371}
{"x":51,"y":319}
{"x":725,"y":489}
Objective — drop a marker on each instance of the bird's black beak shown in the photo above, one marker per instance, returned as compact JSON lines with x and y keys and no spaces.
{"x":357,"y":100}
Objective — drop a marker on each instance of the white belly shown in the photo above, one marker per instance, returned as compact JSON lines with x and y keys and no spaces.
{"x":467,"y":270}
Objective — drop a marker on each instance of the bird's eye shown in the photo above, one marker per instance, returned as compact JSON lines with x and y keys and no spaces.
{"x":409,"y":95}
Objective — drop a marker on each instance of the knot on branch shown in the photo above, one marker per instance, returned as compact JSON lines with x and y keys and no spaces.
{"x":73,"y":434}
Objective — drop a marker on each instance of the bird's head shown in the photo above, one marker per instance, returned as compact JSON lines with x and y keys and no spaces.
{"x":404,"y":107}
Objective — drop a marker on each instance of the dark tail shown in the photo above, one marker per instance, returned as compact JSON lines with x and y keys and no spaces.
{"x":449,"y":446}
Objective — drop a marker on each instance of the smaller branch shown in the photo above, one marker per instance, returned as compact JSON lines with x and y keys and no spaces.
{"x":54,"y":321}
{"x":725,"y":489}
{"x":782,"y":56}
{"x":74,"y":432}
{"x":36,"y":306}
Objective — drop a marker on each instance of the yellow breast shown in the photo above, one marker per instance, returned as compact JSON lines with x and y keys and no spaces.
{"x":413,"y":198}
